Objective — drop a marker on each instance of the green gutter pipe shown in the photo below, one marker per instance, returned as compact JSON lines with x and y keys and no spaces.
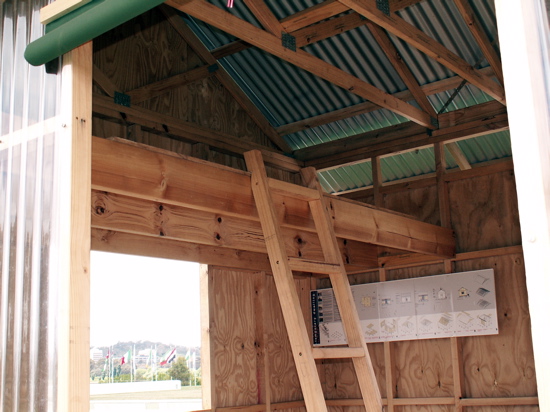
{"x":82,"y":25}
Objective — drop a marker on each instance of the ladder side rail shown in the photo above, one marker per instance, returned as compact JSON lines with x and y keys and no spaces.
{"x":286,"y":289}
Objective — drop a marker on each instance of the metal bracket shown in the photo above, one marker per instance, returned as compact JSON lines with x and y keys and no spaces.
{"x":122,"y":99}
{"x":289,"y":41}
{"x":213,"y":68}
{"x":435,"y":122}
{"x":383,"y":6}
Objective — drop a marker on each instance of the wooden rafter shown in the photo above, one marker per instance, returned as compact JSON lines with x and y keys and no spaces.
{"x":163,"y":86}
{"x":221,"y":74}
{"x":103,"y":82}
{"x":310,"y":25}
{"x":418,"y":39}
{"x":461,"y":124}
{"x":458,"y":155}
{"x":366,"y":107}
{"x":233,"y":25}
{"x":401,"y":68}
{"x":313,"y":15}
{"x":265,"y":16}
{"x":481,"y":37}
{"x":186,"y":182}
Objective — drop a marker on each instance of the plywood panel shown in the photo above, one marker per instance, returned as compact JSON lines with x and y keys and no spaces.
{"x":147,"y":49}
{"x":425,"y":408}
{"x":420,"y":203}
{"x":233,"y":352}
{"x":502,"y":365}
{"x":519,"y":408}
{"x":484,"y":212}
{"x":423,"y":368}
{"x":283,"y":379}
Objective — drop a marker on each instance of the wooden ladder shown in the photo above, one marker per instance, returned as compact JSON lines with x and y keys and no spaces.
{"x":282,"y":266}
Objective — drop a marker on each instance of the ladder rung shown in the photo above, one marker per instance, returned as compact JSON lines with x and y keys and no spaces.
{"x":289,"y":189}
{"x":338,"y":353}
{"x":303,"y":265}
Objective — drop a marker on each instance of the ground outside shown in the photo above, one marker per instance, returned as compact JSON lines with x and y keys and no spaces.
{"x":183,"y":400}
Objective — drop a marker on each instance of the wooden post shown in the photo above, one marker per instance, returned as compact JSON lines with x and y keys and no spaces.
{"x":526,"y":60}
{"x":75,"y":165}
{"x":206,"y":301}
{"x":377,"y":181}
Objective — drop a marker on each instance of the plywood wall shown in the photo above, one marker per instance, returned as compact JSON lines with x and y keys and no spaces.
{"x":148,"y":49}
{"x":501,"y":367}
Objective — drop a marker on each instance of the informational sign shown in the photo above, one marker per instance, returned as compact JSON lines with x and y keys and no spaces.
{"x":457,"y":304}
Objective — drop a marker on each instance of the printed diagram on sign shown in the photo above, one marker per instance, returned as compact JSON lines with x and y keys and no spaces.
{"x":408,"y":326}
{"x":445,"y":321}
{"x":464,"y":320}
{"x":463,"y":293}
{"x":389,"y":326}
{"x":458,"y":304}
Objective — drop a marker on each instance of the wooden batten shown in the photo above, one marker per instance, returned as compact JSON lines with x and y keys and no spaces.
{"x":202,"y":186}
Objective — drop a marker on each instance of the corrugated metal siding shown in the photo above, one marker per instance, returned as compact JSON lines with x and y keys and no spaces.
{"x":29,"y":279}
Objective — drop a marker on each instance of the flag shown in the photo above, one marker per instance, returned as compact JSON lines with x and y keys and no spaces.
{"x":168,"y":357}
{"x":126,"y":357}
{"x":149,"y":359}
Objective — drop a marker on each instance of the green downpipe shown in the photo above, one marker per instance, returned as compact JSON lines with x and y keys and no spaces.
{"x":83,"y":25}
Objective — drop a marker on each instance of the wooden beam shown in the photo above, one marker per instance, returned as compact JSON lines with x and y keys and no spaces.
{"x":158,"y":220}
{"x":163,"y":86}
{"x":481,"y":37}
{"x":465,"y":123}
{"x":401,"y":68}
{"x":199,"y":185}
{"x":416,"y":38}
{"x":225,"y":79}
{"x":314,"y":14}
{"x":106,"y":240}
{"x":324,"y":30}
{"x":58,"y":9}
{"x":361,"y":108}
{"x":401,"y":4}
{"x":230,"y":48}
{"x":328,"y":9}
{"x":103,"y":82}
{"x":265,"y":16}
{"x":271,"y":44}
{"x":458,"y":156}
{"x":155,"y":122}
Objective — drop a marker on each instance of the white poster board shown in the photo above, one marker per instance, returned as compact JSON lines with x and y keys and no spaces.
{"x":457,"y":304}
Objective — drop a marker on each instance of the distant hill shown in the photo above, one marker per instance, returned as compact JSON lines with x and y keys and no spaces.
{"x":121,"y":348}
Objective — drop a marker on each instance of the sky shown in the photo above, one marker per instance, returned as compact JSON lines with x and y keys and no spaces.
{"x":139,"y":298}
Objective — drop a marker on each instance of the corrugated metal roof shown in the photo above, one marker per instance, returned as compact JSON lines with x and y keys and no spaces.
{"x":286,"y":94}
